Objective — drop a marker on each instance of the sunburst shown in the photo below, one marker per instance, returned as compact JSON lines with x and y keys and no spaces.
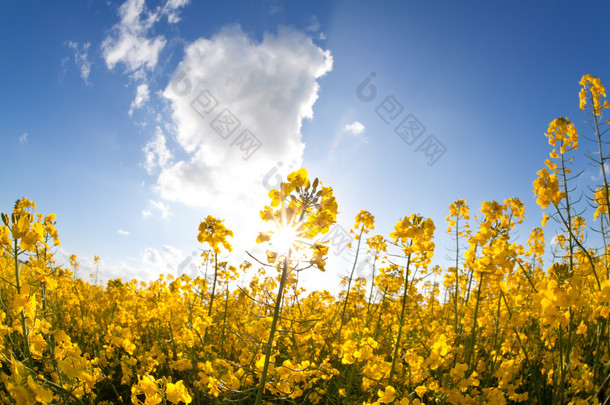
{"x":284,"y":239}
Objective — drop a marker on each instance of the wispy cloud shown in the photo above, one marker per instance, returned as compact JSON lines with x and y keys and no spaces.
{"x":164,"y":261}
{"x":129,"y":41}
{"x":355,"y":128}
{"x":142,"y":96}
{"x":157,"y":208}
{"x":156,"y":153}
{"x":23,"y":138}
{"x":170,"y":10}
{"x":599,"y":175}
{"x":81,"y":59}
{"x":132,"y":42}
{"x":124,"y":233}
{"x":150,"y":264}
{"x":554,"y":240}
{"x":314,"y":27}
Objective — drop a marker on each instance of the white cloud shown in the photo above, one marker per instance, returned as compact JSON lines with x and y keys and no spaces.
{"x":314,"y":24}
{"x":267,"y":87}
{"x":157,"y":208}
{"x":156,"y":153}
{"x":142,"y":96}
{"x":599,"y":175}
{"x":81,"y":59}
{"x":314,"y":27}
{"x":23,"y":138}
{"x":166,"y":261}
{"x":129,"y":42}
{"x":355,"y":128}
{"x":124,"y":233}
{"x":150,"y":264}
{"x":170,"y":10}
{"x":151,"y":257}
{"x":275,"y":7}
{"x":172,"y":256}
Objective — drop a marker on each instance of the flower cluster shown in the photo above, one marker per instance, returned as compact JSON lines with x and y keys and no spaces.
{"x":507,"y":323}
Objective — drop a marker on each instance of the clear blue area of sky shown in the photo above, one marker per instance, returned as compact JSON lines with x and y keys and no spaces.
{"x":485,"y":78}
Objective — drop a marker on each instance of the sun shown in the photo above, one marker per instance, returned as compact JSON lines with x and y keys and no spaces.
{"x":284,"y":239}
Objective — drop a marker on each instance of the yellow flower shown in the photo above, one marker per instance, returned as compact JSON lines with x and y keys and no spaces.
{"x":459,"y":209}
{"x":387,"y":396}
{"x":300,"y":210}
{"x":600,"y":198}
{"x":377,"y":243}
{"x":562,"y":134}
{"x":5,"y":235}
{"x":177,"y":392}
{"x":299,"y":178}
{"x":128,"y":346}
{"x":536,"y":242}
{"x":42,"y":395}
{"x":582,"y":329}
{"x":20,"y":301}
{"x":319,"y":251}
{"x":213,"y":232}
{"x":365,"y":222}
{"x":147,"y":385}
{"x":545,"y":219}
{"x":546,"y":188}
{"x":593,"y":86}
{"x":421,"y":391}
{"x":415,"y":234}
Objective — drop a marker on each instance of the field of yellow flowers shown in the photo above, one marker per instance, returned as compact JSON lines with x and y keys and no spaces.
{"x":499,"y":328}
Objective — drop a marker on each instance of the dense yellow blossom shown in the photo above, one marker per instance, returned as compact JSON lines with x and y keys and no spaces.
{"x":546,"y":188}
{"x":505,"y":324}
{"x":592,"y":87}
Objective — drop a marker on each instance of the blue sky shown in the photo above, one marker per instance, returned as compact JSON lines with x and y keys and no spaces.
{"x":93,"y":130}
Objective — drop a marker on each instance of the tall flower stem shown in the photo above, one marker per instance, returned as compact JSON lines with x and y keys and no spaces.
{"x":211,"y":305}
{"x":401,"y":320}
{"x":276,"y":315}
{"x":349,"y":285}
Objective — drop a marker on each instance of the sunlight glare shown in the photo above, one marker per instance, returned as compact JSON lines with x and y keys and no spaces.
{"x":283,"y":239}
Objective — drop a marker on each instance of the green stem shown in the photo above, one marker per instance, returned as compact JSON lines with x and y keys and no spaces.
{"x":401,"y":320}
{"x":470,"y":354}
{"x":569,"y":216}
{"x":457,"y":273}
{"x":205,"y":339}
{"x":561,"y":368}
{"x":349,"y":284}
{"x":276,"y":315}
{"x":381,"y":307}
{"x":372,"y":283}
{"x":24,"y":328}
{"x":224,"y":323}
